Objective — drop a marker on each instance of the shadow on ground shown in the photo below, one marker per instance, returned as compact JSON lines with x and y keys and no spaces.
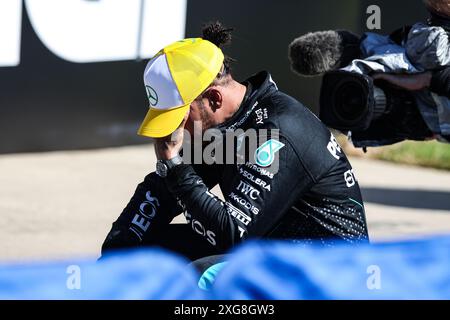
{"x":414,"y":198}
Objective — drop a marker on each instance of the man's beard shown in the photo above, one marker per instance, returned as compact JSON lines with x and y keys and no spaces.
{"x":207,"y":120}
{"x":198,"y":127}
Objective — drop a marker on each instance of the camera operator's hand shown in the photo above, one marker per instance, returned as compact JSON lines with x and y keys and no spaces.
{"x":410,"y":82}
{"x":168,"y":147}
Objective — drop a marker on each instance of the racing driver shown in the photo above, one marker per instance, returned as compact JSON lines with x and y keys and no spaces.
{"x":298,"y":184}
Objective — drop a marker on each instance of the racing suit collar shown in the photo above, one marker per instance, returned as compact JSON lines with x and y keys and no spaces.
{"x":258,"y":86}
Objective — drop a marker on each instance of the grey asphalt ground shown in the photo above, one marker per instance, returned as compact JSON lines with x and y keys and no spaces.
{"x":61,"y":204}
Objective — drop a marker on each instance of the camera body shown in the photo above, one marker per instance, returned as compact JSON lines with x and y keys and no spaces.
{"x":374,"y":113}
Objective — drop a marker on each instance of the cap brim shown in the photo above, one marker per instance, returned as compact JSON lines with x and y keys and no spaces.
{"x":161,"y":123}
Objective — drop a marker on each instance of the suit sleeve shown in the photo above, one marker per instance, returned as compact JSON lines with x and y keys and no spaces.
{"x":258,"y":197}
{"x":150,"y":207}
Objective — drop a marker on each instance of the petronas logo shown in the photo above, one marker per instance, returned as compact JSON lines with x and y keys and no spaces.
{"x":152,"y":96}
{"x":265,"y":154}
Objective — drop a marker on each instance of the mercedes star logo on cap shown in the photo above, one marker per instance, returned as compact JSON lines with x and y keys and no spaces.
{"x":152,"y":96}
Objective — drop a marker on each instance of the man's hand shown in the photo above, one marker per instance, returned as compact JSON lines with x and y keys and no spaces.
{"x":168,"y":147}
{"x":410,"y":82}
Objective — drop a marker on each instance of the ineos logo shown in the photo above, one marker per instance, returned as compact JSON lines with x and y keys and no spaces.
{"x":84,"y":31}
{"x":200,"y":229}
{"x":147,"y":211}
{"x":150,"y":201}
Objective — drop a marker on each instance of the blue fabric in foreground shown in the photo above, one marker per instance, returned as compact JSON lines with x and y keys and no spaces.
{"x":150,"y":274}
{"x":259,"y":270}
{"x":400,"y":270}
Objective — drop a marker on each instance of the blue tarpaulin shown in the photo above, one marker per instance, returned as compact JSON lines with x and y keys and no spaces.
{"x":258,"y":270}
{"x":403,"y":270}
{"x":148,"y":274}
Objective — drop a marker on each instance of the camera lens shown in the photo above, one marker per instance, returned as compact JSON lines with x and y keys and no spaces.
{"x":350,"y":101}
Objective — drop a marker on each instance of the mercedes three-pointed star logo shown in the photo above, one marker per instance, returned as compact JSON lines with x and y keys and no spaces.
{"x":152,"y":96}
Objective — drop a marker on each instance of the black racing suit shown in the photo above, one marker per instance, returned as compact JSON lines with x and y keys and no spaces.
{"x":311,"y":193}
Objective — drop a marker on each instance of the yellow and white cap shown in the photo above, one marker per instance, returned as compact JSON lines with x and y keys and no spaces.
{"x":173,"y":79}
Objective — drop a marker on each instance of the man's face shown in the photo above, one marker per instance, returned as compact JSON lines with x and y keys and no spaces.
{"x":201,"y":116}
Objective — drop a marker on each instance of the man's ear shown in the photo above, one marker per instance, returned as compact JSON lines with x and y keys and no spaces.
{"x":214,"y":97}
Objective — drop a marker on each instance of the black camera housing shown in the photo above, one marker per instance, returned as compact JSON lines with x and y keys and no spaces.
{"x":375,"y":112}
